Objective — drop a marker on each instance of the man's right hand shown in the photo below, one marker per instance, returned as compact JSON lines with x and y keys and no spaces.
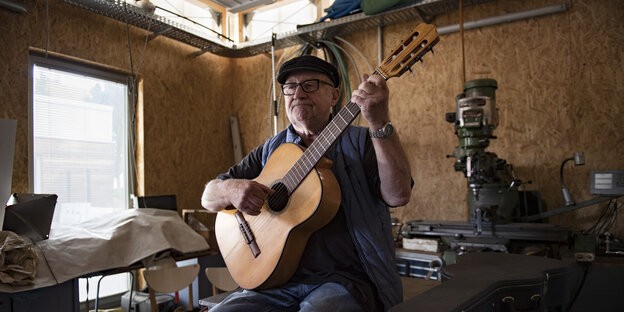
{"x":247,"y":196}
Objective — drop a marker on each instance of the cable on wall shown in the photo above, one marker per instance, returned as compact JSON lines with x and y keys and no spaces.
{"x":128,"y":38}
{"x":147,"y":36}
{"x":337,"y":58}
{"x":274,"y":86}
{"x":132,"y":84}
{"x":370,"y":68}
{"x":461,"y":36}
{"x":133,"y":107}
{"x":286,"y":55}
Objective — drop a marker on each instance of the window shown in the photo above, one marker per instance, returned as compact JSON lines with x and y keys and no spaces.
{"x":281,"y":17}
{"x":80,"y":146}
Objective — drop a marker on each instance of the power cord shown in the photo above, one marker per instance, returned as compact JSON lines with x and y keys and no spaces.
{"x":586,"y":266}
{"x":605,"y":221}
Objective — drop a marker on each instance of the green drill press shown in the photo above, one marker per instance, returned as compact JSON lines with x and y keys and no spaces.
{"x":493,"y":199}
{"x":492,"y":195}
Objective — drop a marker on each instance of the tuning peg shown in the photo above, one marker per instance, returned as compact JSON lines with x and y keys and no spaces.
{"x":422,"y":63}
{"x":432,"y":52}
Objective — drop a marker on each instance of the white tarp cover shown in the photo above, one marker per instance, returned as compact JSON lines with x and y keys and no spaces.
{"x":115,"y":240}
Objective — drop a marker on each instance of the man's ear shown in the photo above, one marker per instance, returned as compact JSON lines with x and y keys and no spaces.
{"x":335,"y":96}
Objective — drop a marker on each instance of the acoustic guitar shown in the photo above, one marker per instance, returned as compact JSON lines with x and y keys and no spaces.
{"x":263,"y":251}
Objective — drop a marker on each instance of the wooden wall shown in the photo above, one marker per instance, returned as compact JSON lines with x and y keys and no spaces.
{"x":561,"y":81}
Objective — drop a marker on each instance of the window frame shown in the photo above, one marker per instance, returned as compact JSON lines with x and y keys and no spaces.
{"x":82,"y":67}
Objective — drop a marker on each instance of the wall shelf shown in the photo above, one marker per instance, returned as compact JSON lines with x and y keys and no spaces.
{"x":206,"y":41}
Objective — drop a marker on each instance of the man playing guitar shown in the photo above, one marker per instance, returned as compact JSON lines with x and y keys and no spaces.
{"x":348,"y":263}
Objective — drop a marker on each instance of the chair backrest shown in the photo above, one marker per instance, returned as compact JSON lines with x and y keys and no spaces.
{"x":168,"y":280}
{"x":221,"y":279}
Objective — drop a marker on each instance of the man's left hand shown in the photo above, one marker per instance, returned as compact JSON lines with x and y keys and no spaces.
{"x":372,"y":97}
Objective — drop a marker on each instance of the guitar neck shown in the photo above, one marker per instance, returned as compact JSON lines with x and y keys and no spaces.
{"x":322,"y":144}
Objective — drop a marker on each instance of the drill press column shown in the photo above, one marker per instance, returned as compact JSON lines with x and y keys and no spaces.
{"x":492,"y":194}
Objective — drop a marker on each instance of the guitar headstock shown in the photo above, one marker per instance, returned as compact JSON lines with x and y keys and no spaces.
{"x":409,"y":51}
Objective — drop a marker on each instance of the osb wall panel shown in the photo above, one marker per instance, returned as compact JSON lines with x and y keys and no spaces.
{"x":186,"y":122}
{"x":560,"y":83}
{"x":187,"y":100}
{"x":13,"y":88}
{"x":252,"y":99}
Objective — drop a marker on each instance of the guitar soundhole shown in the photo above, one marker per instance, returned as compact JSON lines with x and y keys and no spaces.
{"x":278,"y":200}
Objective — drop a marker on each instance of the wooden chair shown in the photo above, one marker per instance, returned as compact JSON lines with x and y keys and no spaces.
{"x":222,"y":286}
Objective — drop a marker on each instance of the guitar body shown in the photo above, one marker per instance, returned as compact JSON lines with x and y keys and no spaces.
{"x":281,"y":235}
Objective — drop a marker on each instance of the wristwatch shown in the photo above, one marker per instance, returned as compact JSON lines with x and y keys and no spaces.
{"x":384,"y":132}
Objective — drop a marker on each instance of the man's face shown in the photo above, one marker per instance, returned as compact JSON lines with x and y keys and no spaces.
{"x":309,"y":111}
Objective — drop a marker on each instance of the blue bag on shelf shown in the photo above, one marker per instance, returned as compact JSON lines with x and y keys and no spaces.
{"x":341,"y":8}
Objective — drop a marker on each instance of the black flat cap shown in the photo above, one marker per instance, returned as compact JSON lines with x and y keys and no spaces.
{"x":308,"y":62}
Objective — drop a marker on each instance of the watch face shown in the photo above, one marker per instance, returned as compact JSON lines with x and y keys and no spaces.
{"x":388,"y":129}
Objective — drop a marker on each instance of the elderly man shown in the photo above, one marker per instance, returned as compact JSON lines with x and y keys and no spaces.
{"x":347,"y":265}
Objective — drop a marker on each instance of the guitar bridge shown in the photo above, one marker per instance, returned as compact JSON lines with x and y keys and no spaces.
{"x":247,"y":234}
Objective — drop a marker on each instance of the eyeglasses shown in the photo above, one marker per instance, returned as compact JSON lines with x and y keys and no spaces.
{"x":308,"y":86}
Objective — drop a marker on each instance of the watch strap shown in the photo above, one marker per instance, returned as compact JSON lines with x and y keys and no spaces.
{"x":384,"y":132}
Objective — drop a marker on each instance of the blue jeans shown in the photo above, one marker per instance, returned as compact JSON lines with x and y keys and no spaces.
{"x":291,"y":297}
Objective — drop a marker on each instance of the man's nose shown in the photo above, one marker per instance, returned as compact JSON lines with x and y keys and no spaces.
{"x":299,"y":92}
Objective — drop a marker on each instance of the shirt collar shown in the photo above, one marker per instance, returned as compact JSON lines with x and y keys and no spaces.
{"x":292,"y":136}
